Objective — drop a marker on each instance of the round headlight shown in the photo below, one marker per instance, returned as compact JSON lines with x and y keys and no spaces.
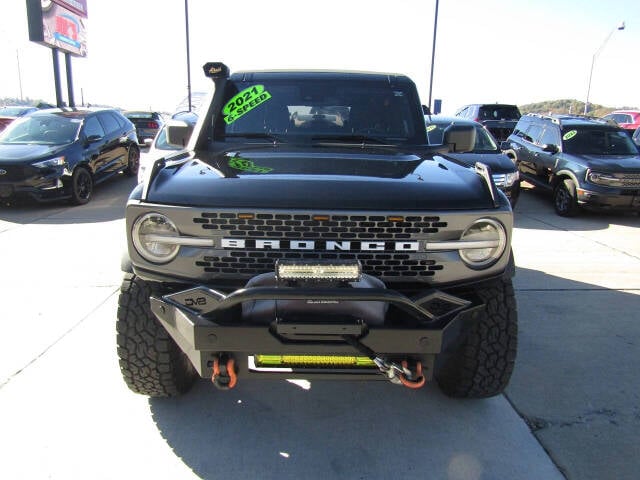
{"x":152,"y":238}
{"x":487,"y":241}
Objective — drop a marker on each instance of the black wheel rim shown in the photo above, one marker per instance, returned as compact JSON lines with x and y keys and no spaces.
{"x":562,"y":199}
{"x":83,"y":185}
{"x":133,"y":162}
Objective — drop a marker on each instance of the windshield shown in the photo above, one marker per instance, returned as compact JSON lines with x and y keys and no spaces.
{"x":484,"y":141}
{"x":42,"y":129}
{"x":597,"y":141}
{"x":14,"y":111}
{"x":295,"y":109}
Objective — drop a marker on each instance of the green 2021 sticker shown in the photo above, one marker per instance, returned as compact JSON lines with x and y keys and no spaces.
{"x":244,"y":102}
{"x":569,"y":135}
{"x":431,"y":128}
{"x":247,"y":165}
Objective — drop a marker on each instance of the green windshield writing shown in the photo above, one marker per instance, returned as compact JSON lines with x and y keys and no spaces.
{"x":247,"y":165}
{"x":569,"y":135}
{"x":244,"y":102}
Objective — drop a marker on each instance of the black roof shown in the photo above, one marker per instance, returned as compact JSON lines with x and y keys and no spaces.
{"x":68,"y":112}
{"x":446,"y":120}
{"x":319,"y":75}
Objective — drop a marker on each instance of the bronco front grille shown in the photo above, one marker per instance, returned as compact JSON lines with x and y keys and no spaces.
{"x":629,"y":180}
{"x":318,"y":228}
{"x":335,"y":227}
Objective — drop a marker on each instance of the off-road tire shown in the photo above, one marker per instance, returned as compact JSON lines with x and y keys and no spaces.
{"x":150,"y":361}
{"x":565,"y":198}
{"x":482,"y":364}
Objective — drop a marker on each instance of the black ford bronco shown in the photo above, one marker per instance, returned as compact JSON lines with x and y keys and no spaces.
{"x":307,"y":230}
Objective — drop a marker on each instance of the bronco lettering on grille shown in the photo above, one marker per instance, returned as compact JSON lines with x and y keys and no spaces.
{"x":324,"y":245}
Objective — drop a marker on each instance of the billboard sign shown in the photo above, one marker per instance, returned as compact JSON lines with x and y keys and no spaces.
{"x":59,"y":24}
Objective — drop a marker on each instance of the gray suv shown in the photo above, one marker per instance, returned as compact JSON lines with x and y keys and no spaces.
{"x":583,"y":161}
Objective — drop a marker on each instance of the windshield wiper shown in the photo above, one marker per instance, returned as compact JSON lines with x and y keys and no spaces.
{"x":359,"y":139}
{"x":266,"y":136}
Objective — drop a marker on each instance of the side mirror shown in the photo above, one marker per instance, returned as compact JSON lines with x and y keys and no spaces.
{"x":460,"y":138}
{"x":148,"y":142}
{"x":178,"y":133}
{"x":505,"y":145}
{"x":550,"y":148}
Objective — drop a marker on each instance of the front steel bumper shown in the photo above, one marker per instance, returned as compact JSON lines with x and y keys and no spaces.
{"x":203,"y":324}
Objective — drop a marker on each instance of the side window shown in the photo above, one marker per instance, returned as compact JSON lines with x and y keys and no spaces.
{"x":93,"y":127}
{"x":120,"y":119}
{"x":533,"y":133}
{"x":550,"y":136}
{"x":109,"y":122}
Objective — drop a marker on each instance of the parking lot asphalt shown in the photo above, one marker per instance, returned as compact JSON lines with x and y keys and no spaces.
{"x":571,"y":410}
{"x":576,"y":379}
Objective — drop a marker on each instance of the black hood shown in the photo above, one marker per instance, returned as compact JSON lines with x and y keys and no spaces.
{"x":27,"y":153}
{"x":322,"y":177}
{"x":497,"y":162}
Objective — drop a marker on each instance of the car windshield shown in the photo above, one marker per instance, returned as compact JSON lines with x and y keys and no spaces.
{"x":42,"y":129}
{"x":288,"y":110}
{"x":14,"y":111}
{"x":484,"y":141}
{"x":161,"y":141}
{"x":620,"y":117}
{"x":499,"y":112}
{"x":597,"y":141}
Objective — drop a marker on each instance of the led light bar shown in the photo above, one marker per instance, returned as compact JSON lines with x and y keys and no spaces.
{"x":301,"y":361}
{"x":348,"y":271}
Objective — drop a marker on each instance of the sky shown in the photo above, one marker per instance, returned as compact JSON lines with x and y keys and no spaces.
{"x":507,"y":51}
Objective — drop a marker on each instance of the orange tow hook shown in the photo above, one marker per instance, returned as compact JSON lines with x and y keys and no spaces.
{"x":224,"y":376}
{"x":419,"y":379}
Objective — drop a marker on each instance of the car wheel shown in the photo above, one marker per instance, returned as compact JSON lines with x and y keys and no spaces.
{"x":151,"y":362}
{"x":565,"y":198}
{"x":133,"y":162}
{"x":482,"y":364}
{"x":81,"y":186}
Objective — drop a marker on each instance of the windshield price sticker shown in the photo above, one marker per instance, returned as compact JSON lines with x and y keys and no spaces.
{"x":569,"y":135}
{"x":244,"y":102}
{"x":430,"y":128}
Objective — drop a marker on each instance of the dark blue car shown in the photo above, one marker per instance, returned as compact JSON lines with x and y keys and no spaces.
{"x":485,"y":150}
{"x":62,"y":153}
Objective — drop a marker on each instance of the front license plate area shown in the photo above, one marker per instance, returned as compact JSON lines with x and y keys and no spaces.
{"x":318,"y":331}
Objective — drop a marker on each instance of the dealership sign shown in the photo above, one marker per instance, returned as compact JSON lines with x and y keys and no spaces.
{"x":59,"y":24}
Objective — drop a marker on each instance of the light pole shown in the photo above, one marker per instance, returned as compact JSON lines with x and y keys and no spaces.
{"x":186,"y":21}
{"x":433,"y":52}
{"x":593,"y":60}
{"x":19,"y":74}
